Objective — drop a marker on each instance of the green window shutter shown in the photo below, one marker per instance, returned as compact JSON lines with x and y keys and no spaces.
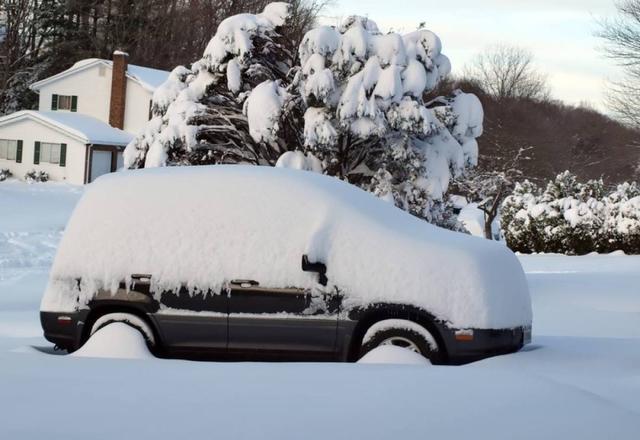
{"x":74,"y":103}
{"x":36,"y":153}
{"x":54,"y":102}
{"x":63,"y":155}
{"x":19,"y":152}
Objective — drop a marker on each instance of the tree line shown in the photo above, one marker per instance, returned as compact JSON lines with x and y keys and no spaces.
{"x":39,"y":38}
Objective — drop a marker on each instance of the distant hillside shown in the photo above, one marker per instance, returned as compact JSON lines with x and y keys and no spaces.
{"x":562,"y":137}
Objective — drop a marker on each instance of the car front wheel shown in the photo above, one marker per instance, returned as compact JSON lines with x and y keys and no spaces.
{"x":401,"y":333}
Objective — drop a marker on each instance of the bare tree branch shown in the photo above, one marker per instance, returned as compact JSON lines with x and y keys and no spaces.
{"x":508,"y":72}
{"x":622,"y":38}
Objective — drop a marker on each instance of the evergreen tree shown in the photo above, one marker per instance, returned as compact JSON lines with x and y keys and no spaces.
{"x":198,"y":113}
{"x":352,"y":107}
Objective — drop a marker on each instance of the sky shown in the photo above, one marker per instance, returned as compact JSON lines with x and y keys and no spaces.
{"x":560,"y":33}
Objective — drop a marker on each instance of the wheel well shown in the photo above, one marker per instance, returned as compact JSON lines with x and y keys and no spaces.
{"x":99,"y":311}
{"x":381,"y":312}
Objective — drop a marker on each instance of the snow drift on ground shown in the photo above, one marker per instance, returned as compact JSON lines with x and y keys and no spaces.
{"x":390,"y":354}
{"x":579,"y":379}
{"x":168,"y":223}
{"x":116,"y":340}
{"x":121,"y":341}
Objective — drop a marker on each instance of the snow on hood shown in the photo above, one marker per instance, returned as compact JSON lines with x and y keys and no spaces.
{"x":207,"y":225}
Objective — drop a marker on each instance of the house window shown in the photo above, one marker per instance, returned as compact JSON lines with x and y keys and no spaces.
{"x":8,"y":149}
{"x":50,"y":153}
{"x":64,"y":102}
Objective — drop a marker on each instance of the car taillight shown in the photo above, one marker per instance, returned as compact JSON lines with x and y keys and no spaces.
{"x":64,"y":320}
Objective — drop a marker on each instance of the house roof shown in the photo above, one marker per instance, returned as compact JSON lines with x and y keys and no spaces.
{"x":148,"y":78}
{"x":83,"y":128}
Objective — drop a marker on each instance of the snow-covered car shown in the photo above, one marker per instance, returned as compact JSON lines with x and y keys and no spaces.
{"x":264,"y":262}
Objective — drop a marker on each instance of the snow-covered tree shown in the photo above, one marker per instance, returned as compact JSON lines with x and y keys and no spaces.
{"x":353,"y":107}
{"x":198,"y":113}
{"x":366,"y":119}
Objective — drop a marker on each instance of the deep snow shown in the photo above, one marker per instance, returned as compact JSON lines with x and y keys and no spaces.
{"x":391,"y":354}
{"x":116,"y":341}
{"x":580,"y":379}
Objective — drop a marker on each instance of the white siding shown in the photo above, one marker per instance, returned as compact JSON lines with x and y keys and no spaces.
{"x":29,"y":132}
{"x":136,"y":114}
{"x":93,"y":92}
{"x":94,"y":96}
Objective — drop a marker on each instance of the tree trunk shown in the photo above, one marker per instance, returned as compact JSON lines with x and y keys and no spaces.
{"x":491,"y":214}
{"x":488,"y":222}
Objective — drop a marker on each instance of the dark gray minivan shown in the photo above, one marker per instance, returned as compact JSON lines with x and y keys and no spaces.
{"x":241,"y":262}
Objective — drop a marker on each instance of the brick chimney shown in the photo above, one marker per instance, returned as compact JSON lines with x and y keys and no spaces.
{"x":118,"y":89}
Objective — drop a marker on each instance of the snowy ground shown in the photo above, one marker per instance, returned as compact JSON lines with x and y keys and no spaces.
{"x":580,"y":379}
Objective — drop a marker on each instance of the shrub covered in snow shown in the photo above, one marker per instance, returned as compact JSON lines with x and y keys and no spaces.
{"x":572,"y":217}
{"x":5,"y":174}
{"x":36,"y":176}
{"x":353,"y":107}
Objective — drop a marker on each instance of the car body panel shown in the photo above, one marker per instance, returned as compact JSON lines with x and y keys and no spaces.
{"x":284,"y":334}
{"x":281,"y":320}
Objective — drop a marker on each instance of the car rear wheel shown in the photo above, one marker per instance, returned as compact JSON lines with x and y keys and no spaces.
{"x":401,"y":333}
{"x":131,"y":320}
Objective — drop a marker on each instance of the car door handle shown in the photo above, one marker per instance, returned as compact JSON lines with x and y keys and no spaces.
{"x":245,"y":283}
{"x":141,"y":278}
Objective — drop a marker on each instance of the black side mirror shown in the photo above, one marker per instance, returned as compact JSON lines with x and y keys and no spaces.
{"x":319,"y":268}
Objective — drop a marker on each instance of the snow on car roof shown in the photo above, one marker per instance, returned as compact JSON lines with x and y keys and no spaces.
{"x":86,"y":129}
{"x":204,"y":226}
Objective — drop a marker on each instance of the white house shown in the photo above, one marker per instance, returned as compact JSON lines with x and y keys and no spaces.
{"x":86,"y":116}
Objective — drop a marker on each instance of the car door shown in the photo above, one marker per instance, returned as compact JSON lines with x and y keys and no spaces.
{"x":293,"y":322}
{"x":193,"y":320}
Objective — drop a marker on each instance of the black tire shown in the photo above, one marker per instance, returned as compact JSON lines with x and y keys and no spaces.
{"x":403,"y":337}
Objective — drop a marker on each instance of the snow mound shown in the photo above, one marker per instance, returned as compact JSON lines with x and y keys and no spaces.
{"x":167,"y":222}
{"x":391,"y":354}
{"x":299,"y":161}
{"x":116,"y":340}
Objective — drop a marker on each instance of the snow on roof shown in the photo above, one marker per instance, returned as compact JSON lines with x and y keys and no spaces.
{"x":251,"y":222}
{"x":147,"y":77}
{"x":86,"y":129}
